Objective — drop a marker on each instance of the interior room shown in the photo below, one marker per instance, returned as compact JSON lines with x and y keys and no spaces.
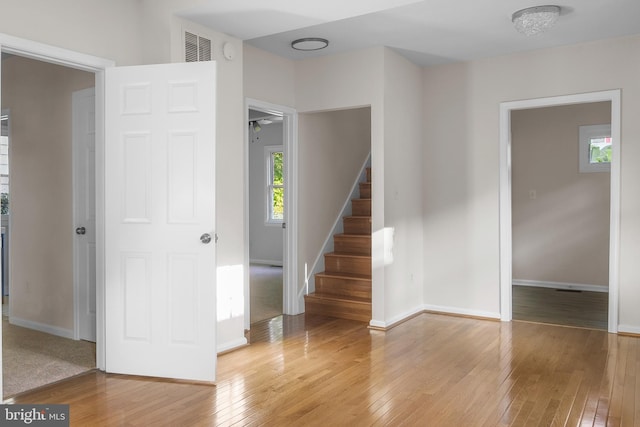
{"x":560,"y":217}
{"x":266,"y":233}
{"x":38,"y":274}
{"x":442,"y":83}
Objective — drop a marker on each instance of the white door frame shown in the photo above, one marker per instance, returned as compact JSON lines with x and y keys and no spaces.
{"x":506,"y":277}
{"x":71,"y":59}
{"x":291,"y":300}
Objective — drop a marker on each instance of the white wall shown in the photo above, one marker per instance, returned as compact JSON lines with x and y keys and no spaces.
{"x":562,"y":233}
{"x":460,"y":194}
{"x":403,"y":166}
{"x":265,"y":240}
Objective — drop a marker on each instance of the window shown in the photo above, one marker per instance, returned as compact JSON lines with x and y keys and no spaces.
{"x":275,"y":183}
{"x":4,"y":163}
{"x":595,"y":148}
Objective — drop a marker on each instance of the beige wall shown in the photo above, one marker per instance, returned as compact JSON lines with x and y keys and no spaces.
{"x":561,"y":235}
{"x":333,"y":146}
{"x":41,"y":251}
{"x":108,"y":29}
{"x":268,"y":77}
{"x":461,"y":216}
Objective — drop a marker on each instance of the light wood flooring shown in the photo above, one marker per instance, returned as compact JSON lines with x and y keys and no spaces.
{"x":560,"y":307}
{"x":266,"y":291}
{"x":432,"y":370}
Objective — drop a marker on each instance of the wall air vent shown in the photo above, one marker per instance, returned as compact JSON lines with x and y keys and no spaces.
{"x":196,"y":48}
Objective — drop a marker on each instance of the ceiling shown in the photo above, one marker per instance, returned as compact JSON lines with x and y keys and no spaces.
{"x":428,"y":32}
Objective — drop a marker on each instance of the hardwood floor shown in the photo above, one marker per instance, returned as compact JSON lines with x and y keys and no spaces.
{"x":583,"y":309}
{"x":266,"y":291}
{"x":432,"y":370}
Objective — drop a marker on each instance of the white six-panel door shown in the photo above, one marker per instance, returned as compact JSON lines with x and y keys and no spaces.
{"x":84,"y":212}
{"x":159,"y":220}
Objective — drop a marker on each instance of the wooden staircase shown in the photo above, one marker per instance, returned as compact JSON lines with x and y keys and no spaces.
{"x":344,"y":289}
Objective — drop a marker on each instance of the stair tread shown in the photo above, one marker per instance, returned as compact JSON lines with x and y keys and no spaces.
{"x":348,"y":254}
{"x":354,"y":235}
{"x":343,"y":298}
{"x":344,"y":275}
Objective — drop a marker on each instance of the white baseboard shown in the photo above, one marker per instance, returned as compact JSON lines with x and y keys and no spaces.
{"x":628,"y":329}
{"x":378,"y":324}
{"x":231,"y":345}
{"x":461,"y":311}
{"x":48,"y":329}
{"x":266,"y":262}
{"x":561,"y":285}
{"x":385,"y":325}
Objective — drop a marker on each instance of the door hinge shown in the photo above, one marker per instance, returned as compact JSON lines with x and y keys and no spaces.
{"x":284,"y":225}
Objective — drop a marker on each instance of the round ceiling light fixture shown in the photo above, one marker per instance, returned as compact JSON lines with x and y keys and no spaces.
{"x":535,"y":20}
{"x":310,"y":43}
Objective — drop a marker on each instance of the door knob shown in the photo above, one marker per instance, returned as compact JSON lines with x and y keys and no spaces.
{"x":205,"y":238}
{"x":81,"y":230}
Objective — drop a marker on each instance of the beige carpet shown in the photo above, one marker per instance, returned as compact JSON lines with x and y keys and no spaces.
{"x":266,"y":292}
{"x":32,"y":359}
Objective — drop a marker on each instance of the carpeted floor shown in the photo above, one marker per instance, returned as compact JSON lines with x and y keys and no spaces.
{"x":266,"y":292}
{"x":560,"y":307}
{"x":31,"y":358}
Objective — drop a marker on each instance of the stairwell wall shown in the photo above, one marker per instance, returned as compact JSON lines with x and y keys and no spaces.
{"x":343,"y":81}
{"x":391,"y":85}
{"x":333,"y":146}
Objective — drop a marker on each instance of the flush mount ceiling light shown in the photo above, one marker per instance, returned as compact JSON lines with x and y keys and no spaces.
{"x":535,"y":20}
{"x":310,"y":43}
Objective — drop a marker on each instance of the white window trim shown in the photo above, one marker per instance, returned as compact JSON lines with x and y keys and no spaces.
{"x":5,"y":112}
{"x":586,"y":134}
{"x":268,"y":151}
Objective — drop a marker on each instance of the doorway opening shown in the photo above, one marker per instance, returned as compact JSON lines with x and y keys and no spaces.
{"x":512,"y":253}
{"x":560,"y":215}
{"x":270,"y":212}
{"x":266,"y":214}
{"x":38,"y":324}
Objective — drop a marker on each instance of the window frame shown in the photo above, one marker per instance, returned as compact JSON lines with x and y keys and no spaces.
{"x":269,"y":150}
{"x":5,"y":114}
{"x":586,"y":134}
